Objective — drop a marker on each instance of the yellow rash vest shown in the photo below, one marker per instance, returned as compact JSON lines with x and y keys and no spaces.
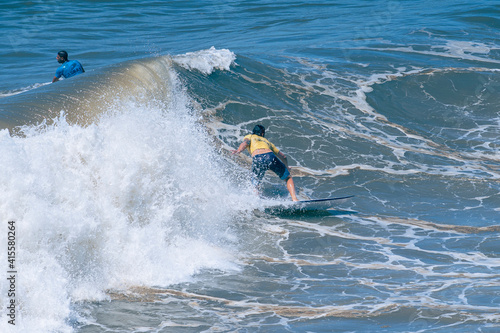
{"x":259,"y":142}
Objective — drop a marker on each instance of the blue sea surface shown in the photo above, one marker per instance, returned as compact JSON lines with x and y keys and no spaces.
{"x":132,"y":215}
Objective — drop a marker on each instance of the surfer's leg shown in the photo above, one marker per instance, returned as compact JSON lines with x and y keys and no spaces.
{"x":290,"y":185}
{"x":259,"y":168}
{"x":255,"y":180}
{"x":282,"y":171}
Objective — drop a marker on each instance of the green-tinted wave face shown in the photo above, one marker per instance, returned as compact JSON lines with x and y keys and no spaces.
{"x":85,"y":97}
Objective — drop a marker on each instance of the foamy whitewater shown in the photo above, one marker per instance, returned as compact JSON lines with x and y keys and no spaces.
{"x":123,"y":202}
{"x":123,"y":209}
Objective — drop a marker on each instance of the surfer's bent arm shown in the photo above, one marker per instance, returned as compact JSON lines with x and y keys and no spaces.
{"x":242,"y":146}
{"x":55,"y":79}
{"x":283,"y":158}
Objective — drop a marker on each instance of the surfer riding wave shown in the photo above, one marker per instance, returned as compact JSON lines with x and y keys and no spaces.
{"x":265,"y":156}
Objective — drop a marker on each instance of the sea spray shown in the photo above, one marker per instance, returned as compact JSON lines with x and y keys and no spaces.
{"x":206,"y":61}
{"x":126,"y":201}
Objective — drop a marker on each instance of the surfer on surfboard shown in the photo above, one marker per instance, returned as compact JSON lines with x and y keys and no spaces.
{"x":265,"y":156}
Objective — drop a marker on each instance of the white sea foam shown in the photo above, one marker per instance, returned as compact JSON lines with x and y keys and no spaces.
{"x":125,"y":201}
{"x":450,"y":49}
{"x":21,"y":90}
{"x":405,"y":141}
{"x":206,"y":61}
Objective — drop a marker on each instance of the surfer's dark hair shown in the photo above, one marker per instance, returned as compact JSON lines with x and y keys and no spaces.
{"x":63,"y":54}
{"x":259,"y":130}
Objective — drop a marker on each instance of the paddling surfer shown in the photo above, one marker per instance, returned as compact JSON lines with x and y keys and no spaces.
{"x":265,"y":156}
{"x":68,"y":68}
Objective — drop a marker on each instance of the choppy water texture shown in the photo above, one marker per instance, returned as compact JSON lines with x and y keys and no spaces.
{"x":132,"y":215}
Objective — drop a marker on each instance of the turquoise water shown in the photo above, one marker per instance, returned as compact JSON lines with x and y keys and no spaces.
{"x":131,"y":214}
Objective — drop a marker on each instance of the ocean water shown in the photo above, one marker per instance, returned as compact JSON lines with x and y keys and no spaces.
{"x":131,"y":215}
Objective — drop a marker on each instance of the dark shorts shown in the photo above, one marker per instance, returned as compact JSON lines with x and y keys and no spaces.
{"x":268,"y":161}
